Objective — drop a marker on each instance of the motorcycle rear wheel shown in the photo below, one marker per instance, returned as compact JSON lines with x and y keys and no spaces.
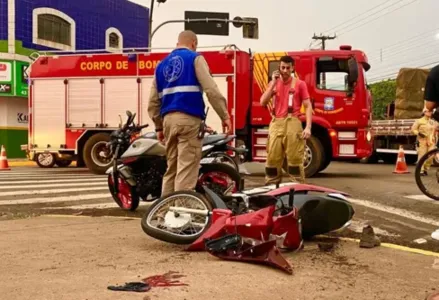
{"x":214,"y":174}
{"x":166,"y":235}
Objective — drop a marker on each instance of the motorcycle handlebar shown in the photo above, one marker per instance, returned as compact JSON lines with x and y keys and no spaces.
{"x":142,"y":126}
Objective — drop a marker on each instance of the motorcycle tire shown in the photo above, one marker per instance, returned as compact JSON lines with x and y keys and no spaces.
{"x":168,"y":237}
{"x":418,"y":178}
{"x":230,"y":171}
{"x":228,"y":159}
{"x":135,"y":199}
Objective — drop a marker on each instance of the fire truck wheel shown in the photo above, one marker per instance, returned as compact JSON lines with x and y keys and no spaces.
{"x":45,"y":160}
{"x":314,"y":157}
{"x":325,"y":162}
{"x":94,"y":153}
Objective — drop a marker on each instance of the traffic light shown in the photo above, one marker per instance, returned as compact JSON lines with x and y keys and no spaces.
{"x":250,"y":31}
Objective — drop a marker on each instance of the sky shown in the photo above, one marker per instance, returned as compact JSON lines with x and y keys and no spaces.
{"x":392,"y":33}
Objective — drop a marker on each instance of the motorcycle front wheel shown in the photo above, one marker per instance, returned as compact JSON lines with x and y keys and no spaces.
{"x":127,"y":197}
{"x":178,"y":227}
{"x":428,"y":182}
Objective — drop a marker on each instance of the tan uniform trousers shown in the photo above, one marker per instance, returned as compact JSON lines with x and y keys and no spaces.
{"x":183,"y":152}
{"x":285,"y":140}
{"x":423,"y":148}
{"x":427,"y":127}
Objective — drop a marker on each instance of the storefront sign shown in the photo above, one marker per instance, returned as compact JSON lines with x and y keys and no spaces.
{"x":13,"y":78}
{"x":6,"y":78}
{"x":21,"y":78}
{"x":22,"y":118}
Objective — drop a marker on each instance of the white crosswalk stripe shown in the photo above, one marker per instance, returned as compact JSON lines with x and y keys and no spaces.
{"x":55,"y":189}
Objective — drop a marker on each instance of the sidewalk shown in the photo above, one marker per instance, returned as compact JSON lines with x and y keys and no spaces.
{"x":61,"y":257}
{"x":21,"y":162}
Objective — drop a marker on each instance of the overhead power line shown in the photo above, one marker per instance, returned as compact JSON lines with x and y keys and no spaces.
{"x":398,"y":8}
{"x":382,"y":57}
{"x":347,"y":21}
{"x":416,"y":37}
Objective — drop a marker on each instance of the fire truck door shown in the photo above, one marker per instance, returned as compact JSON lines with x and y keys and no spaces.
{"x":49,"y":114}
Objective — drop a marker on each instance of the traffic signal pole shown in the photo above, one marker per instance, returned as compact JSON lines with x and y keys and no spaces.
{"x":207,"y":20}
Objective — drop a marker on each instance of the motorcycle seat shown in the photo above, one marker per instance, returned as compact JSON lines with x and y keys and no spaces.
{"x":207,"y":140}
{"x":212,"y":139}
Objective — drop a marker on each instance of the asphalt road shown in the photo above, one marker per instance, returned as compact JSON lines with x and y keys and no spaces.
{"x":391,"y":203}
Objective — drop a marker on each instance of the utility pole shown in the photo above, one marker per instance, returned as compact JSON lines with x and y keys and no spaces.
{"x":324,"y":38}
{"x":151,"y":9}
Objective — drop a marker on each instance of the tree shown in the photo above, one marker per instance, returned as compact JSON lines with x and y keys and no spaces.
{"x":383,"y":93}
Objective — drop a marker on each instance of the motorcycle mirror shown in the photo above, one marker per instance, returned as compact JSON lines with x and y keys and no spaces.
{"x":129,"y":114}
{"x":121,"y":122}
{"x":291,"y":198}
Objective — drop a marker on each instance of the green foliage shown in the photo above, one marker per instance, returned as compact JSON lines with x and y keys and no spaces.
{"x":383,"y":93}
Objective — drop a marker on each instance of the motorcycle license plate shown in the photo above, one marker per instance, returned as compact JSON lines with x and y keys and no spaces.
{"x":207,"y":160}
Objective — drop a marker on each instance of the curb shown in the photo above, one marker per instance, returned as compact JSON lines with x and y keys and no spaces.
{"x":21,"y":163}
{"x":29,"y":163}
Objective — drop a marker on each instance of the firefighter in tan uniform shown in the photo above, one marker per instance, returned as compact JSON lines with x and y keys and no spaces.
{"x":286,"y":136}
{"x":176,"y":106}
{"x":426,"y":130}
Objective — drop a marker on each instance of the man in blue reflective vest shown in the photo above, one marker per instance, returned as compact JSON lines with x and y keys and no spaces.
{"x":176,"y":106}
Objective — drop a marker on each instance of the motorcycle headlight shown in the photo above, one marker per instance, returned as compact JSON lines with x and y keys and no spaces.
{"x":369,"y":136}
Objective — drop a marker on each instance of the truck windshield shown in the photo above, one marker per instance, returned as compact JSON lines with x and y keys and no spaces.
{"x":364,"y":76}
{"x":332,"y":74}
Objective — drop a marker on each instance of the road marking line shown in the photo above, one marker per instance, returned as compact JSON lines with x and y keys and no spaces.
{"x":36,"y":186}
{"x":58,"y":191}
{"x":399,"y":247}
{"x":53,"y":181}
{"x":395,"y":211}
{"x":55,"y":199}
{"x":422,"y":198}
{"x":82,"y":216}
{"x":51,"y":176}
{"x":357,"y":226}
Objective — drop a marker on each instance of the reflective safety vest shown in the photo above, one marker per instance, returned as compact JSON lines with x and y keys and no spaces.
{"x":178,"y":86}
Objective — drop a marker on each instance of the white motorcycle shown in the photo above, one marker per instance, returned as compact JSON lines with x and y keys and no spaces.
{"x":140,"y":163}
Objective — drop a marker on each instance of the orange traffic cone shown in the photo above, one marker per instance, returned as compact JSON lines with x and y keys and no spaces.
{"x":401,"y":165}
{"x":3,"y":160}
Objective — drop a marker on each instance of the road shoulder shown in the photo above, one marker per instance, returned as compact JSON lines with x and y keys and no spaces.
{"x":81,"y":256}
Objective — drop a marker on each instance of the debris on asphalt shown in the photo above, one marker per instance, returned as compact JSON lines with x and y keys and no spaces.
{"x":130,"y":287}
{"x":326,"y":246}
{"x":368,"y":238}
{"x":420,"y":241}
{"x":232,"y":247}
{"x":166,"y":280}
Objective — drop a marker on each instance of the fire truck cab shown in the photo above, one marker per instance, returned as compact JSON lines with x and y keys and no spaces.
{"x":75,"y":100}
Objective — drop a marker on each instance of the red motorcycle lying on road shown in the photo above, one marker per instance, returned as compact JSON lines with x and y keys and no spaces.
{"x":182,"y":217}
{"x":249,"y":225}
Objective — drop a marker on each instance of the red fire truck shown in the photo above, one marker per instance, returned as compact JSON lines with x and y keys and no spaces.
{"x":75,"y":101}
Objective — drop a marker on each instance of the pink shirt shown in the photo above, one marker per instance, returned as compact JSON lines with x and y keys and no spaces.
{"x":281,"y":95}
